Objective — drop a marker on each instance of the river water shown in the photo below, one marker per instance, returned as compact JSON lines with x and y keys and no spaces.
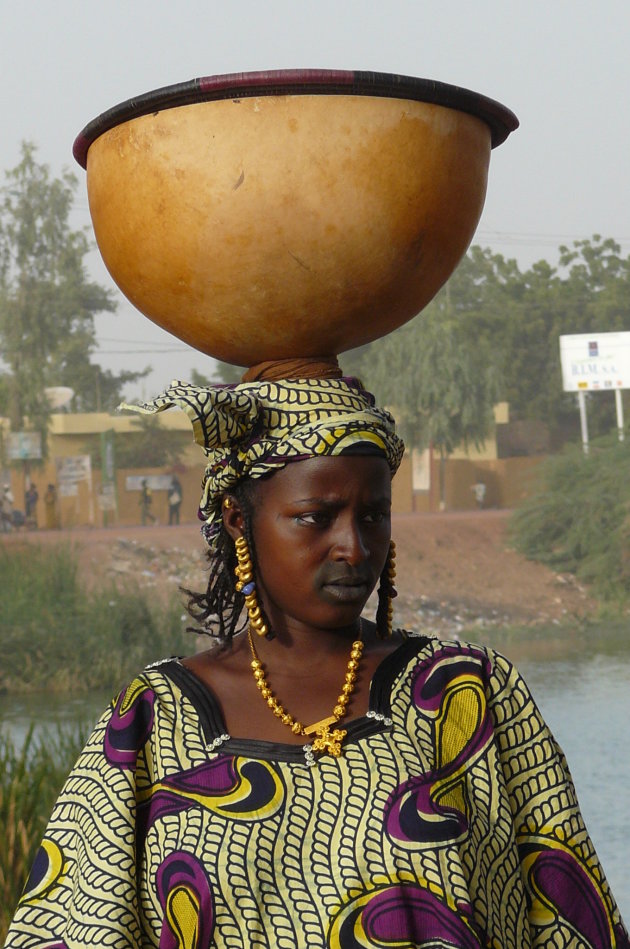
{"x":582,"y":686}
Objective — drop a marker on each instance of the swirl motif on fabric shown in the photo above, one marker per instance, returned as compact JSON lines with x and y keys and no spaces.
{"x":405,"y":916}
{"x":431,"y":809}
{"x":46,"y":872}
{"x":562,"y":888}
{"x":185,"y":895}
{"x":130,"y":725}
{"x":234,"y":788}
{"x":251,"y":429}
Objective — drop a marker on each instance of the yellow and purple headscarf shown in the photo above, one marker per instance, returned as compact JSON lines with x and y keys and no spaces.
{"x":249,"y":429}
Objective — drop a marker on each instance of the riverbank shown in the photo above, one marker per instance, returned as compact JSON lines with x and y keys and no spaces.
{"x":456,"y":570}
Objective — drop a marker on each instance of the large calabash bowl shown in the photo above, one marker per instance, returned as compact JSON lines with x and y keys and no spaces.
{"x":295,"y":213}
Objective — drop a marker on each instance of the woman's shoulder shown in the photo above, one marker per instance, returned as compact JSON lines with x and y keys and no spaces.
{"x":151,"y":711}
{"x":450,"y":655}
{"x":151,"y":692}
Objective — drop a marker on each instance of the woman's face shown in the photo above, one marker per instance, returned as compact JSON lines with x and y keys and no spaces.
{"x":322,"y":531}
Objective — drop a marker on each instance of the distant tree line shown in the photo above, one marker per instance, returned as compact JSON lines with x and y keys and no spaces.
{"x":491,"y":333}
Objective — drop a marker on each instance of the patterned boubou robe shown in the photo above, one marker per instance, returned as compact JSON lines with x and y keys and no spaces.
{"x":449,"y":821}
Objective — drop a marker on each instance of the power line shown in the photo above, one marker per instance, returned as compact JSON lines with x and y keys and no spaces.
{"x":144,"y":352}
{"x":137,"y":342}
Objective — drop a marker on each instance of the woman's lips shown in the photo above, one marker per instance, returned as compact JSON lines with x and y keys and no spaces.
{"x":347,"y":591}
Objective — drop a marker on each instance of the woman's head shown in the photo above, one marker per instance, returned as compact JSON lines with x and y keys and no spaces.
{"x":320,"y":532}
{"x":260,"y":430}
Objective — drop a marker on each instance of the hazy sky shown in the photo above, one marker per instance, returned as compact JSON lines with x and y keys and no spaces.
{"x":562,"y":66}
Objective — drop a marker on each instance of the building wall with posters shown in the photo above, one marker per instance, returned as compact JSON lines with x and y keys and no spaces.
{"x":87,"y":501}
{"x":77,"y":477}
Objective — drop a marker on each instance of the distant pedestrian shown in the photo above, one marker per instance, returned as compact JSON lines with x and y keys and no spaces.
{"x":6,"y":509}
{"x":479,"y":490}
{"x":174,"y":500}
{"x":146,"y":501}
{"x":50,"y":506}
{"x":31,"y":498}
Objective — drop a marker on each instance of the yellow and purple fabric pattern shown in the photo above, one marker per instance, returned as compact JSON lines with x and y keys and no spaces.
{"x":250,"y":429}
{"x":450,"y":822}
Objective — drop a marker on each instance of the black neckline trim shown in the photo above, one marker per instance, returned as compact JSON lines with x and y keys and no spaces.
{"x":208,"y":708}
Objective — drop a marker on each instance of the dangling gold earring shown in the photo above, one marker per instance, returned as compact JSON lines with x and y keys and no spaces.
{"x":392,"y":592}
{"x":386,"y":593}
{"x":245,"y":584}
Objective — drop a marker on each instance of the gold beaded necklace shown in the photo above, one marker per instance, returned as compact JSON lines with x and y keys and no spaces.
{"x":325,"y":740}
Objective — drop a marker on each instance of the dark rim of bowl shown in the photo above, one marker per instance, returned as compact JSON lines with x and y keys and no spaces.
{"x":500,"y":119}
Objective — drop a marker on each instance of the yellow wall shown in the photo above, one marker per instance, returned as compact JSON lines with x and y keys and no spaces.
{"x":402,"y":493}
{"x":506,"y":480}
{"x":129,"y":501}
{"x":488,"y":448}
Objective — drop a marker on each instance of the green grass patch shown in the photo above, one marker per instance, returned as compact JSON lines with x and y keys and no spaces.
{"x":578,"y":520}
{"x":57,"y":635}
{"x":30,"y":780}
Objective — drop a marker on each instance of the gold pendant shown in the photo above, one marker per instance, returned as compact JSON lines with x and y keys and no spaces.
{"x":327,"y":741}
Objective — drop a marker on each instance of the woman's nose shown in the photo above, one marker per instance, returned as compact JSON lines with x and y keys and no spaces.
{"x":350,"y":544}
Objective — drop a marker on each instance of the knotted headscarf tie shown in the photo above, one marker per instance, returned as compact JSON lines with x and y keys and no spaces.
{"x":249,"y":429}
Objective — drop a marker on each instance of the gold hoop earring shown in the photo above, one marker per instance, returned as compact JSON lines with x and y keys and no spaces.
{"x":245,"y":584}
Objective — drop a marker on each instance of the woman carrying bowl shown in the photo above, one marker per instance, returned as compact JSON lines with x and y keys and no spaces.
{"x":315,"y":778}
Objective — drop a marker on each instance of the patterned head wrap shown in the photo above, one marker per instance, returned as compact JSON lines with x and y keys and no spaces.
{"x":253,"y":428}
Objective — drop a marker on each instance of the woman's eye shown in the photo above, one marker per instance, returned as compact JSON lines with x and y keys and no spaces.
{"x":317,"y":518}
{"x":376,"y":517}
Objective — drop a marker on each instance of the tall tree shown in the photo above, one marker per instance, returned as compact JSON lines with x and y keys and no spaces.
{"x":441,"y":389}
{"x":151,"y":446}
{"x":47,"y":302}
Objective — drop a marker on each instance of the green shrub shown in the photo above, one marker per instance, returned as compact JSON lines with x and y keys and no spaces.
{"x":578,"y":520}
{"x":57,"y":635}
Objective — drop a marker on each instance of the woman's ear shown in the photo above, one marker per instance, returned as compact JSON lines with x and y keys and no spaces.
{"x":233,"y":519}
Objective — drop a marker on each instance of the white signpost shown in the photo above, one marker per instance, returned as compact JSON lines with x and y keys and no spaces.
{"x":596,"y":362}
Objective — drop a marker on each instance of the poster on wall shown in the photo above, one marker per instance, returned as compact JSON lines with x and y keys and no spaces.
{"x":23,"y":446}
{"x":421,"y":470}
{"x":73,"y":468}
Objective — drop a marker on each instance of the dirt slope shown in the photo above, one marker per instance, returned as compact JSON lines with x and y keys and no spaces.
{"x":455,"y":570}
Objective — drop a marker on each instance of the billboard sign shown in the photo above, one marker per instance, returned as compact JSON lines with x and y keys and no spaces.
{"x":595,"y":361}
